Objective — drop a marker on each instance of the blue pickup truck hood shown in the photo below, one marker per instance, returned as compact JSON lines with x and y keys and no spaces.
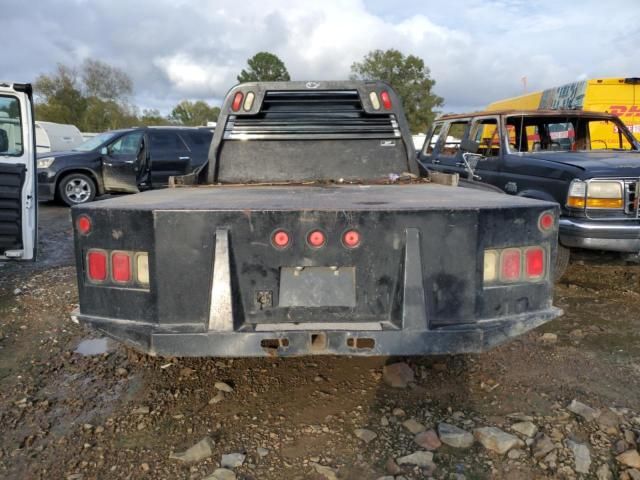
{"x":608,"y":164}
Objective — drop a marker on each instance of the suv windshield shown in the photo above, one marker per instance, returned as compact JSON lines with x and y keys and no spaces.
{"x":530,"y":133}
{"x":95,"y":142}
{"x":10,"y":127}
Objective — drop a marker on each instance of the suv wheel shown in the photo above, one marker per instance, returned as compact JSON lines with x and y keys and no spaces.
{"x":76,"y":188}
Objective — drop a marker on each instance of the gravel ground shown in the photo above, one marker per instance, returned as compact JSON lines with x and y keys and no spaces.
{"x":120,"y":415}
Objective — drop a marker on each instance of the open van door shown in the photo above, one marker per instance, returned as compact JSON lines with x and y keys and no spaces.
{"x":18,"y":182}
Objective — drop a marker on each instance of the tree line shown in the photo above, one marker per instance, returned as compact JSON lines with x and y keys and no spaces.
{"x":96,"y":96}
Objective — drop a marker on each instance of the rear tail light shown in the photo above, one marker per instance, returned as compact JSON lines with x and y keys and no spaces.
{"x":375,"y":103}
{"x":516,"y":264}
{"x":121,"y":267}
{"x":248,"y":101}
{"x":534,"y":263}
{"x":491,"y":258}
{"x":97,"y":265}
{"x":142,"y":268}
{"x":386,"y":100}
{"x":510,"y":265}
{"x":351,"y":238}
{"x":84,"y":224}
{"x":237,"y":101}
{"x":280,"y":239}
{"x":118,"y":268}
{"x":316,"y":238}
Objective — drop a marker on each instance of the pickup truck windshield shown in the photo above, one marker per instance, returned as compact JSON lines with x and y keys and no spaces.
{"x":10,"y":127}
{"x":95,"y":142}
{"x":530,"y":133}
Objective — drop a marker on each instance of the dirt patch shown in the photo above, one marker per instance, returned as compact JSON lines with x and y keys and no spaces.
{"x":120,"y":414}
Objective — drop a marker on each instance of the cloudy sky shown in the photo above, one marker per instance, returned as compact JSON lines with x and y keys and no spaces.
{"x":477,"y":50}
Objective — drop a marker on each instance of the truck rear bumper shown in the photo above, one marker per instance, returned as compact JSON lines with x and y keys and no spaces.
{"x":612,"y":236}
{"x":467,"y":338}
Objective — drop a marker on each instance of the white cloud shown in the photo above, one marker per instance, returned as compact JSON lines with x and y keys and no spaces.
{"x":477,"y":50}
{"x":189,"y":76}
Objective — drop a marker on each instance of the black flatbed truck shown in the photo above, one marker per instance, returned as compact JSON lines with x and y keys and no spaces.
{"x":298,"y":238}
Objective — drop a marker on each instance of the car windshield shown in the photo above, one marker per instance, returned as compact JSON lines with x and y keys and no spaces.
{"x":95,"y":142}
{"x":531,"y":133}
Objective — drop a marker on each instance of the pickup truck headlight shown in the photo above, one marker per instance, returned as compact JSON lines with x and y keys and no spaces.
{"x":45,"y":162}
{"x":595,"y":194}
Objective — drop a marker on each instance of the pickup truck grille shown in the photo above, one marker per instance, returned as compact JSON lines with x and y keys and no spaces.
{"x":312,"y":115}
{"x":631,"y":197}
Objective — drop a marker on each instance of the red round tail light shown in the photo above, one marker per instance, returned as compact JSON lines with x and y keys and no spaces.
{"x":351,"y":238}
{"x":316,"y":238}
{"x":84,"y":224}
{"x":280,"y":239}
{"x":547,"y":221}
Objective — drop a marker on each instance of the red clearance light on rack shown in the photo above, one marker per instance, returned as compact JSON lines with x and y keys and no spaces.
{"x":121,"y":267}
{"x":237,"y":101}
{"x":386,"y":100}
{"x":84,"y":224}
{"x":97,"y":265}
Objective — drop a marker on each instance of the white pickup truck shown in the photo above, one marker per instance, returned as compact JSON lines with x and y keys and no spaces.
{"x":18,"y":185}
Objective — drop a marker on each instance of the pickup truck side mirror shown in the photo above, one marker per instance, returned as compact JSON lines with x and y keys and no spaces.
{"x":469,"y":146}
{"x":104,"y":151}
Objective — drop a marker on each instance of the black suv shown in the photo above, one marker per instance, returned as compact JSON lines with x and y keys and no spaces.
{"x":587,"y":162}
{"x":123,"y":161}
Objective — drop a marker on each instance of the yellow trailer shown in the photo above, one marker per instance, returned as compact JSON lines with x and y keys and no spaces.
{"x":618,"y":96}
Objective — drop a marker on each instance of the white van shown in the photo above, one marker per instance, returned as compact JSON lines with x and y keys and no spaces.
{"x":56,"y":137}
{"x":18,"y":184}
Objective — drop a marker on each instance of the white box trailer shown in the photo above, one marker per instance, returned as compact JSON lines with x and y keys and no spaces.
{"x":56,"y":137}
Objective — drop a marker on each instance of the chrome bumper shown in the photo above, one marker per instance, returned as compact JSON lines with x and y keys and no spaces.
{"x":621,"y":236}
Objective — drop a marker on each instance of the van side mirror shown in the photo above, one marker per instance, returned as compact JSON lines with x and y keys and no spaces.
{"x":469,"y":146}
{"x":104,"y":151}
